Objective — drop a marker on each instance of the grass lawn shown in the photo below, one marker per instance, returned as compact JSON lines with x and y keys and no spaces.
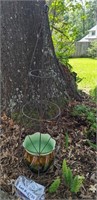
{"x":86,"y":68}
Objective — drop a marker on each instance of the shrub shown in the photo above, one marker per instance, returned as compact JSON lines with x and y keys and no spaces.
{"x":92,"y":50}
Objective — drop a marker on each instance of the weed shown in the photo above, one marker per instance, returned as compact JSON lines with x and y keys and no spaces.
{"x":87,"y":114}
{"x":74,"y":183}
{"x":55,"y":185}
{"x":80,"y":110}
{"x":90,"y":116}
{"x":67,"y":174}
{"x":66,"y":141}
{"x":92,"y":145}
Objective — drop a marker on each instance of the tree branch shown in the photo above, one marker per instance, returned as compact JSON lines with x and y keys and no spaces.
{"x":60,"y":32}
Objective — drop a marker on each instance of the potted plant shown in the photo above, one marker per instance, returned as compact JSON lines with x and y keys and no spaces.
{"x":39,"y":151}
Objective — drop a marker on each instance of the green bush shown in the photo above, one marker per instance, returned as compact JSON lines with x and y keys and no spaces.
{"x":85,"y":112}
{"x":92,"y":50}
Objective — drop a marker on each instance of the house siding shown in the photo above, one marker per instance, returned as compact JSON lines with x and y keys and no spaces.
{"x":81,"y":49}
{"x":82,"y":45}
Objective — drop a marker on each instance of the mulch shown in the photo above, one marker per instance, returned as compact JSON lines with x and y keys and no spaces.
{"x":80,"y":157}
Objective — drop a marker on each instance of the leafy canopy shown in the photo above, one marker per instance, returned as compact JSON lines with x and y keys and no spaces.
{"x":69,"y":22}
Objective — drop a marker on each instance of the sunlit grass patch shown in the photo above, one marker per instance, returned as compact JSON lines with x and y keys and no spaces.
{"x":86,"y":69}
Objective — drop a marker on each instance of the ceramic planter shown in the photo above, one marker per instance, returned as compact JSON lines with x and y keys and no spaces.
{"x":39,"y":151}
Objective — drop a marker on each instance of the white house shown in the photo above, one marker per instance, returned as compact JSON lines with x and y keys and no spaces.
{"x":83,"y":44}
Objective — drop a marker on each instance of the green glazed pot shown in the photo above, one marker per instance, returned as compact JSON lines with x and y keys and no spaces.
{"x":39,"y":151}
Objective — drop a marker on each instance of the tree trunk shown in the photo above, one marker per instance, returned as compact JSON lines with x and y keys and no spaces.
{"x":27,"y":46}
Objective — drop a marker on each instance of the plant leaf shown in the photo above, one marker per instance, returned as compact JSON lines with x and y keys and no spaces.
{"x":70,"y":177}
{"x":67,"y":173}
{"x":94,"y":146}
{"x":77,"y":183}
{"x":54,"y":186}
{"x":66,"y":140}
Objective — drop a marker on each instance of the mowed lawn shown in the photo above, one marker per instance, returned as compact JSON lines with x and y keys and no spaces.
{"x":86,"y":69}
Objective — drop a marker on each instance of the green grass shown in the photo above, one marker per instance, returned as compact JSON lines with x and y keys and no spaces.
{"x":86,"y":68}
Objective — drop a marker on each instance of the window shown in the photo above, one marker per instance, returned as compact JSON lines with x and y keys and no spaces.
{"x":93,"y":32}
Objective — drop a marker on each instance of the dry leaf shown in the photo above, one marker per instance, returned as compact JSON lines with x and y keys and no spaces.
{"x":11,"y":123}
{"x":4,"y":117}
{"x":93,"y":188}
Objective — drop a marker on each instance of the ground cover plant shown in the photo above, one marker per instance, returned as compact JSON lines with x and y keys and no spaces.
{"x":87,"y":115}
{"x":73,"y":183}
{"x":86,"y":69}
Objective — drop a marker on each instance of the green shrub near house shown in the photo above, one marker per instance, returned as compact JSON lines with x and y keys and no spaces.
{"x":92,"y":50}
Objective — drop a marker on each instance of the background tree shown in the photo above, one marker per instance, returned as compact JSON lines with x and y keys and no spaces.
{"x":91,"y":13}
{"x":70,"y":21}
{"x":63,"y":33}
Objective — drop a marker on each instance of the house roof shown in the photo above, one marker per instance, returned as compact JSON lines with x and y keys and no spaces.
{"x":93,"y":28}
{"x":89,"y":37}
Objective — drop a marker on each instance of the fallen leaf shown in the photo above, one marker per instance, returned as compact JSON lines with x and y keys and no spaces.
{"x":93,"y":188}
{"x":11,"y":123}
{"x":4,"y":117}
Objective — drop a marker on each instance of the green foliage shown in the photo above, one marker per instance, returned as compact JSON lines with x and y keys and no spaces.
{"x":66,"y":141}
{"x":92,"y":50}
{"x":74,"y":183}
{"x":77,"y":183}
{"x":91,"y":132}
{"x":54,"y":186}
{"x":80,"y":110}
{"x":69,"y":22}
{"x":84,"y":111}
{"x":88,"y":114}
{"x":63,"y":32}
{"x":91,"y":13}
{"x":93,"y":94}
{"x":90,"y":117}
{"x":67,"y":174}
{"x":94,"y":146}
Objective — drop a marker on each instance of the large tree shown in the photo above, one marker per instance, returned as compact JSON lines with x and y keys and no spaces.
{"x":27,"y":46}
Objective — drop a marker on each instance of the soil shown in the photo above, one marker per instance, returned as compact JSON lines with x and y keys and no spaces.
{"x":80,"y":157}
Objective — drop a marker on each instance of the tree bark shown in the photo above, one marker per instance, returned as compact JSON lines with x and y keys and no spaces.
{"x":27,"y":46}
